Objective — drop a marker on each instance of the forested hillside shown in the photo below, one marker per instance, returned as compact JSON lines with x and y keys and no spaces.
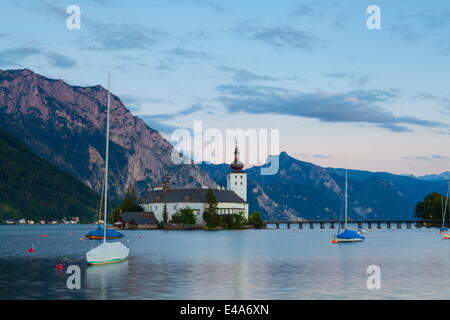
{"x":32,"y":188}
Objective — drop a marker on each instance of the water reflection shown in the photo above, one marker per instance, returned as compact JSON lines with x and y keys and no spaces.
{"x":102,"y":281}
{"x":254,"y":264}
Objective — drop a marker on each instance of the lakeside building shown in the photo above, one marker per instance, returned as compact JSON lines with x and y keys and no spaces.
{"x":137,"y":220}
{"x":233,"y":200}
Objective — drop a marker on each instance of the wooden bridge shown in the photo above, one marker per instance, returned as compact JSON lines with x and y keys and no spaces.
{"x":369,"y":224}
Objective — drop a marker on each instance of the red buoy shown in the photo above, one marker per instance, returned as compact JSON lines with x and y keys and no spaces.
{"x":333,"y":241}
{"x":44,"y":236}
{"x":31,"y":250}
{"x":70,"y":233}
{"x":59,"y":267}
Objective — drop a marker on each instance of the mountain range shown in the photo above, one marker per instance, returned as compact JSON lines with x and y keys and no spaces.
{"x":65,"y":125}
{"x":436,"y":177}
{"x":302,"y":190}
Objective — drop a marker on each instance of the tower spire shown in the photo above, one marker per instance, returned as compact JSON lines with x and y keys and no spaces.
{"x":166,"y":181}
{"x":236,"y":165}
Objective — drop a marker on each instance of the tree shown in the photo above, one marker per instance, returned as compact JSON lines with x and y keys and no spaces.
{"x":233,"y":221}
{"x":211,"y":216}
{"x":184,"y":216}
{"x":255,"y":220}
{"x":128,"y":204}
{"x":432,"y":207}
{"x":165,"y":216}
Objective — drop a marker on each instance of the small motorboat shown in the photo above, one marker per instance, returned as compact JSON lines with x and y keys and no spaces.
{"x":361,"y":230}
{"x":98,"y":234}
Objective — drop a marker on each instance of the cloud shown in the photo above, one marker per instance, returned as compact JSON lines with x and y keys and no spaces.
{"x":135,"y":102}
{"x":123,"y":37}
{"x":445,"y":102}
{"x":60,"y":61}
{"x":15,"y":56}
{"x":210,"y":4}
{"x":435,"y":20}
{"x":423,"y":96}
{"x":189,"y":54}
{"x":277,"y":36}
{"x":358,"y":106}
{"x":245,"y":76}
{"x":321,"y":156}
{"x":158,"y":121}
{"x":405,"y":32}
{"x":354,"y":80}
{"x":108,"y":36}
{"x":342,"y":21}
{"x":305,"y":10}
{"x":395,"y":127}
{"x":426,"y":158}
{"x":421,"y":158}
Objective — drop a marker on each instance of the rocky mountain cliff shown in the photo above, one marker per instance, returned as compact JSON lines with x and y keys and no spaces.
{"x":65,"y":125}
{"x":302,"y":190}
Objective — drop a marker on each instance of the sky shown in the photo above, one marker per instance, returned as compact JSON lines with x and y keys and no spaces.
{"x":313,"y":70}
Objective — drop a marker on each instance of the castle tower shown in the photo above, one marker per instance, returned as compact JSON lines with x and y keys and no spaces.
{"x":237,"y":179}
{"x":166,"y":182}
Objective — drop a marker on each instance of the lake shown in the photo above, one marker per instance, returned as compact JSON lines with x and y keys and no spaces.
{"x":250,"y":264}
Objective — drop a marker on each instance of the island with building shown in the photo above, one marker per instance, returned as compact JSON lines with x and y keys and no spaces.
{"x":195,"y":208}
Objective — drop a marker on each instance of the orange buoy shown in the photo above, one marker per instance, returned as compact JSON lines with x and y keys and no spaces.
{"x":59,"y":267}
{"x":333,"y":241}
{"x":81,"y":238}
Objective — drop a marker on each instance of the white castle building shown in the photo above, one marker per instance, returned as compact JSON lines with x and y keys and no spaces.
{"x":230,"y":201}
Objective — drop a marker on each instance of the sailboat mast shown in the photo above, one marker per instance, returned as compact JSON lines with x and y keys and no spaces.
{"x":446,"y":200}
{"x":106,"y":159}
{"x":345,"y":221}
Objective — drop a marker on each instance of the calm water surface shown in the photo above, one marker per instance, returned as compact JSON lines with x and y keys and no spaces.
{"x":252,"y":264}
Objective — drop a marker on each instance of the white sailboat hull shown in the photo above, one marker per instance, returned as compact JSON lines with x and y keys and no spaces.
{"x":349,"y":240}
{"x":107,"y":252}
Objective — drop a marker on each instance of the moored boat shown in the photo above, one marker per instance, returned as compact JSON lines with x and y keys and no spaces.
{"x":107,"y":252}
{"x":99,"y":234}
{"x":347,"y":235}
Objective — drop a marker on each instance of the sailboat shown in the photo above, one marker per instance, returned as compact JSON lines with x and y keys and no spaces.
{"x":347,"y":235}
{"x":107,"y":252}
{"x":445,"y":234}
{"x":443,"y":228}
{"x":98,"y":233}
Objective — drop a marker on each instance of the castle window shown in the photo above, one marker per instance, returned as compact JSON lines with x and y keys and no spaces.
{"x":235,"y":183}
{"x":235,"y":177}
{"x":241,"y":183}
{"x":187,"y":197}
